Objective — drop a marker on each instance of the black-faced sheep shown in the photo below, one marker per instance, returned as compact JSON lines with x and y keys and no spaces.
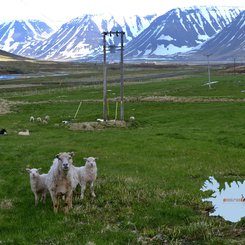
{"x":3,"y":131}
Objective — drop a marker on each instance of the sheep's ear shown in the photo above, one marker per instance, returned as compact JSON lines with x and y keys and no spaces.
{"x":39,"y":169}
{"x":57,"y":156}
{"x":28,"y":170}
{"x":96,"y":158}
{"x":72,"y":154}
{"x":85,"y":158}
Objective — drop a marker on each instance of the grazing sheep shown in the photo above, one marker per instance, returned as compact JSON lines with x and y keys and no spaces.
{"x":87,"y":174}
{"x":39,"y":119}
{"x":47,"y":118}
{"x":62,"y":180}
{"x":3,"y":131}
{"x":32,"y":119}
{"x":38,"y":184}
{"x":45,"y":121}
{"x":24,"y":133}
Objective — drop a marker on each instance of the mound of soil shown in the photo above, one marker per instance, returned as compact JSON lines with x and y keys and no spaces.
{"x":90,"y":126}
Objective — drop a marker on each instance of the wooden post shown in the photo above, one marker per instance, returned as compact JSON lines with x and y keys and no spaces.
{"x":116,"y":111}
{"x":209,"y":77}
{"x":78,"y":109}
{"x":122,"y":79}
{"x":105,"y":79}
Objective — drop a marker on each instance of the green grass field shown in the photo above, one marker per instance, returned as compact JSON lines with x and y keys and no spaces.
{"x":149,"y":173}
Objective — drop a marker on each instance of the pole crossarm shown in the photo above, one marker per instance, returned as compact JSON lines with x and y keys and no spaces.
{"x":113,"y":33}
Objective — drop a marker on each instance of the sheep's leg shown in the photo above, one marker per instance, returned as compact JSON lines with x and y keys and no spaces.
{"x":36,"y":199}
{"x":56,"y":204}
{"x":68,"y":202}
{"x":83,"y":187}
{"x":92,"y":189}
{"x":44,"y":197}
{"x":55,"y":200}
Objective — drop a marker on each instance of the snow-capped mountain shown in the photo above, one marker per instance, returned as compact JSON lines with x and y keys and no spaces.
{"x":227,"y":44}
{"x":67,"y":43}
{"x":82,"y":36}
{"x":179,"y":30}
{"x":20,"y":36}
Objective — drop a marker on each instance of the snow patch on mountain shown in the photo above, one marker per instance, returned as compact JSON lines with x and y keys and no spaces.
{"x":180,"y":30}
{"x":20,"y":35}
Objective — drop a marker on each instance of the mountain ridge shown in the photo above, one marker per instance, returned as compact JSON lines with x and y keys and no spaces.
{"x":178,"y":31}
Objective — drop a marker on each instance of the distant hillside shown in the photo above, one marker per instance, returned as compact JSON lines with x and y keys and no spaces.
{"x":8,"y":63}
{"x":6,"y":56}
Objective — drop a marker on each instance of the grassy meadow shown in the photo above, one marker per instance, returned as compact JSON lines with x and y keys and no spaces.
{"x":149,"y":173}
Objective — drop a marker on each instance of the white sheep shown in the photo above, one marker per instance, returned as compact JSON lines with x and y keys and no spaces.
{"x":47,"y":118}
{"x":32,"y":118}
{"x":39,"y":119}
{"x":45,"y":121}
{"x":87,"y":174}
{"x":62,"y":180}
{"x":38,"y":184}
{"x":24,"y":133}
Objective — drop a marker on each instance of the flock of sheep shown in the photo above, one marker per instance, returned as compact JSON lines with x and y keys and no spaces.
{"x":44,"y":120}
{"x":26,"y":132}
{"x":62,"y":179}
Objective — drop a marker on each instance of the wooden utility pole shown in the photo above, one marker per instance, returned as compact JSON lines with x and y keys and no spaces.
{"x":209,"y":76}
{"x":105,"y":115}
{"x":122,"y":79}
{"x":105,"y":112}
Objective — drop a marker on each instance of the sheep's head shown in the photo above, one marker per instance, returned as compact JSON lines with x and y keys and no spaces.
{"x":65,"y":159}
{"x":34,"y":172}
{"x":90,"y":162}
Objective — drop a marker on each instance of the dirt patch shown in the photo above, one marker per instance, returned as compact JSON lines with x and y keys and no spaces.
{"x":4,"y":86}
{"x":5,"y":105}
{"x":90,"y":126}
{"x":187,"y":99}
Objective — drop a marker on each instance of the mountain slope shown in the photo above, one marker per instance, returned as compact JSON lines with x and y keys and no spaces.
{"x":19,"y":36}
{"x":227,"y":44}
{"x":78,"y":34}
{"x":179,"y":30}
{"x":82,"y":36}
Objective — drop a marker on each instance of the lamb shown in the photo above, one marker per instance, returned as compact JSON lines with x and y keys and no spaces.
{"x":87,"y":174}
{"x":45,"y":121}
{"x":39,"y":119}
{"x":47,"y":118}
{"x":38,"y":184}
{"x":24,"y":133}
{"x":62,"y":180}
{"x":32,"y":118}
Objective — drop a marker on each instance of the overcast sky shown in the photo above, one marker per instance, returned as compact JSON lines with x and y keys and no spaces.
{"x":57,"y":12}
